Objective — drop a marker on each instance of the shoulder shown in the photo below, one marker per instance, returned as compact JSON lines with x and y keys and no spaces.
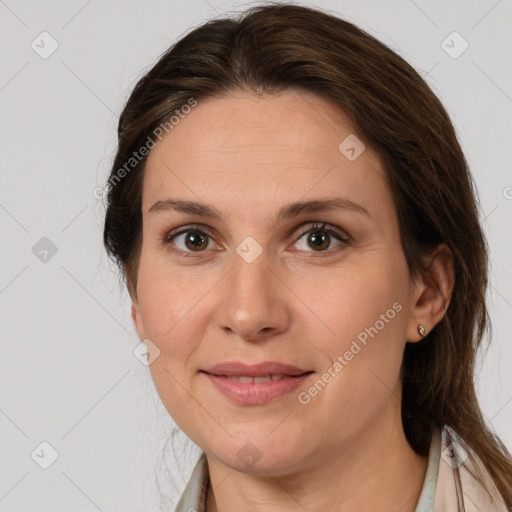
{"x":463,"y":483}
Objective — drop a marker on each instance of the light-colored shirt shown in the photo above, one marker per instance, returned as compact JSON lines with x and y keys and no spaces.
{"x":193,"y":498}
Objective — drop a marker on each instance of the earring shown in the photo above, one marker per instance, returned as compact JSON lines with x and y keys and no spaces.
{"x":421,"y":330}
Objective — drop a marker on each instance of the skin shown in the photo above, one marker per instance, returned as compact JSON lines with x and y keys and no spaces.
{"x":248,"y":156}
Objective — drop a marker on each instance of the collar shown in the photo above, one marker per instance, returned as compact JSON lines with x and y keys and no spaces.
{"x":457,"y":489}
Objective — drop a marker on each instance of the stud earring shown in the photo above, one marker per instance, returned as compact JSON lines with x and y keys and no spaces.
{"x":421,"y":330}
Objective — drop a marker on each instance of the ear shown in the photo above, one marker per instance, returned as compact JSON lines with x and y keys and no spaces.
{"x":432,"y":293}
{"x":137,"y":321}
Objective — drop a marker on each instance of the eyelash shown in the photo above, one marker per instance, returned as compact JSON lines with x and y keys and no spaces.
{"x":337,"y":233}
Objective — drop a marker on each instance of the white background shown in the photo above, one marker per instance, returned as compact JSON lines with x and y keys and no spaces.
{"x":67,"y":372}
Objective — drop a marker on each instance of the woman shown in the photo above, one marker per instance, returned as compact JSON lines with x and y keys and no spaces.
{"x":298,"y":230}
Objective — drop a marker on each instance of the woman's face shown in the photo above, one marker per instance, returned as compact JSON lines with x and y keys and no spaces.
{"x":275,"y":277}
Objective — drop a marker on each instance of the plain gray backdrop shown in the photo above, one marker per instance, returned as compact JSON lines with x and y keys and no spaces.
{"x":68,"y":375}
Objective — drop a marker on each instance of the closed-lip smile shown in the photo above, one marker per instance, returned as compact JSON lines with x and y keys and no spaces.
{"x":255,"y":384}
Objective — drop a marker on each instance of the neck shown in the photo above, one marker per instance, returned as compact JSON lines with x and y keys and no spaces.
{"x":380,"y":471}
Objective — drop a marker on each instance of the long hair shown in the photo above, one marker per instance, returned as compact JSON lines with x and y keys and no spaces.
{"x":273,"y":48}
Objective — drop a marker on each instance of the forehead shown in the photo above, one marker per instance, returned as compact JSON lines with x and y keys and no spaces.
{"x":249,"y":148}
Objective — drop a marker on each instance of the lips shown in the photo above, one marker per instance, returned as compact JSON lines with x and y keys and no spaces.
{"x":257,"y":384}
{"x":265,"y":369}
{"x":248,"y":379}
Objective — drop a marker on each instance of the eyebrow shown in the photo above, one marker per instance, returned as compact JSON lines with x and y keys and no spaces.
{"x":286,"y":212}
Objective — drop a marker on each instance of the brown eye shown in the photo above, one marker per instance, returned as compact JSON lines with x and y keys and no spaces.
{"x":195,"y":240}
{"x":190,"y":240}
{"x":319,"y":240}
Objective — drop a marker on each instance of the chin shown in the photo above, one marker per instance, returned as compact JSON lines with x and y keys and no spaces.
{"x":262,"y":457}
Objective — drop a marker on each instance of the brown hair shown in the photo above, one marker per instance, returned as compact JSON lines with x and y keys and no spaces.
{"x":272,"y":48}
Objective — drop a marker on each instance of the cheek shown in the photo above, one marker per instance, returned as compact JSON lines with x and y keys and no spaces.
{"x":168,"y":295}
{"x":173,"y":319}
{"x":364,"y":319}
{"x":354,"y":300}
{"x":171,"y":302}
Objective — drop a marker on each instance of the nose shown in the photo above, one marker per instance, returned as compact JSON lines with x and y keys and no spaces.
{"x":254,"y":304}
